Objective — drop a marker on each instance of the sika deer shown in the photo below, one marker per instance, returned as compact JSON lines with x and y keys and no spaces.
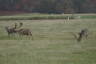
{"x":83,"y":33}
{"x":23,"y":31}
{"x":11,"y":30}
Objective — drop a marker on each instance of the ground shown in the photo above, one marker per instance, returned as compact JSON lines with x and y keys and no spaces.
{"x":53,"y":43}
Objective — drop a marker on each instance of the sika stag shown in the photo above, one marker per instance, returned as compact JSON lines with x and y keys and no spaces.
{"x":11,"y":30}
{"x":23,"y":31}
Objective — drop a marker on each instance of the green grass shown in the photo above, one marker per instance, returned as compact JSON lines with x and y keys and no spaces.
{"x":37,"y":16}
{"x":34,"y":17}
{"x":53,"y":43}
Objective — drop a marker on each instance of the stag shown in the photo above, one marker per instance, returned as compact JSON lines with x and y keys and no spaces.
{"x":11,"y":30}
{"x":23,"y":31}
{"x":18,"y":30}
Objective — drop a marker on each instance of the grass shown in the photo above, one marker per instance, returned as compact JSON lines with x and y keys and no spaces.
{"x":33,"y":17}
{"x":37,"y":16}
{"x":53,"y":43}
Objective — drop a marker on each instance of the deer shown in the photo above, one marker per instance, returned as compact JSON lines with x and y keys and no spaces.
{"x":18,"y":30}
{"x":11,"y":30}
{"x":23,"y":31}
{"x":81,"y":34}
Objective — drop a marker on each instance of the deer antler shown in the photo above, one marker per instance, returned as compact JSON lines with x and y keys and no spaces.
{"x":20,"y":24}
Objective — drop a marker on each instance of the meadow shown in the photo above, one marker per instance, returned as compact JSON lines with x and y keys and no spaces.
{"x":38,"y":16}
{"x":53,"y":42}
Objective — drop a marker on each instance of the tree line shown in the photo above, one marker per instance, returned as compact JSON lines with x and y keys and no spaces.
{"x":49,"y":6}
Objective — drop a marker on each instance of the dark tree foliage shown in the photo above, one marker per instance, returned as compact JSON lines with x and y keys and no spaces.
{"x":49,"y":6}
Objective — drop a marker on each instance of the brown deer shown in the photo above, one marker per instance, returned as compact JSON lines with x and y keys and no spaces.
{"x":11,"y":30}
{"x":18,"y":30}
{"x":83,"y":33}
{"x":23,"y":31}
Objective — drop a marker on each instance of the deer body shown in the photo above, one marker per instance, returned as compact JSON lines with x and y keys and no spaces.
{"x":24,"y":32}
{"x":83,"y":33}
{"x":11,"y":30}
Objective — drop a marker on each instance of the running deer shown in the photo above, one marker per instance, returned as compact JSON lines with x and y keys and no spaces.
{"x":83,"y":33}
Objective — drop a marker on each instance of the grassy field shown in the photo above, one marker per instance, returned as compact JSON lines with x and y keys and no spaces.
{"x":38,"y":16}
{"x":53,"y":43}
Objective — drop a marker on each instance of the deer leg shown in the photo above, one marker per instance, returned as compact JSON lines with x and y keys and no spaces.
{"x":31,"y":36}
{"x":80,"y":37}
{"x":8,"y":34}
{"x":86,"y":36}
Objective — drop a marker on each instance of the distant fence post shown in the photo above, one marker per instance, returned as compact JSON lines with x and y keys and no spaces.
{"x":68,"y":18}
